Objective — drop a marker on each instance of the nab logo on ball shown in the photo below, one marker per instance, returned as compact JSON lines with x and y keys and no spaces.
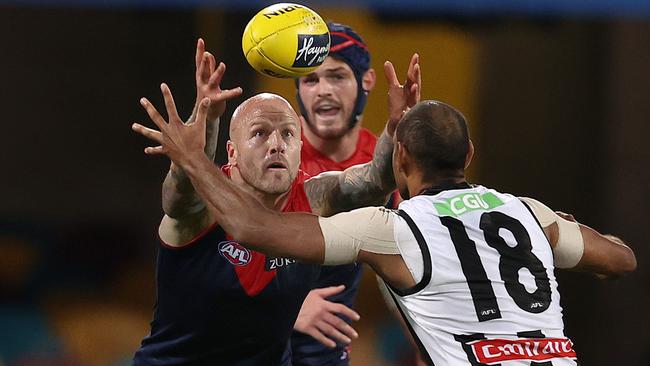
{"x":235,"y":253}
{"x":281,"y":11}
{"x":312,"y":49}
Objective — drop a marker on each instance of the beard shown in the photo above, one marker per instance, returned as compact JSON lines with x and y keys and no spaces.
{"x":269,"y":182}
{"x":330,"y":132}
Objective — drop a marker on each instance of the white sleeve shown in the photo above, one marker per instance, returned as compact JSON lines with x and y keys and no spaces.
{"x":570,"y":246}
{"x":369,"y":229}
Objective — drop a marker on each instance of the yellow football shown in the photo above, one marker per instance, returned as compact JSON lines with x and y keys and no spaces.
{"x":286,"y":40}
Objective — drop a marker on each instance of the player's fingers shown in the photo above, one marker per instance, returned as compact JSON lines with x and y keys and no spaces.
{"x":391,"y":76}
{"x":341,"y":325}
{"x":212,"y":62}
{"x":414,"y":95}
{"x":332,"y":332}
{"x":410,"y":73}
{"x":330,"y":291}
{"x":153,"y":113}
{"x":217,"y":75}
{"x":228,"y":94}
{"x":200,"y":71}
{"x":172,"y":113}
{"x":418,"y":72}
{"x":151,"y":150}
{"x":200,"y":48}
{"x":414,"y":76}
{"x":419,"y":81}
{"x":147,"y":132}
{"x":344,"y":310}
{"x":317,"y":335}
{"x":204,"y":69}
{"x":203,"y":110}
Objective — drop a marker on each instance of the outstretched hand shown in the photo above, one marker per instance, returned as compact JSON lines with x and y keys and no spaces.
{"x":179,"y":141}
{"x":402,"y":97}
{"x":318,"y":318}
{"x":208,"y":79}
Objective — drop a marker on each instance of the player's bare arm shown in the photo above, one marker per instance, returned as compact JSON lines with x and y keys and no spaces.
{"x":184,"y":144}
{"x":178,"y":195}
{"x":370,"y":183}
{"x":578,"y":247}
{"x":605,"y":255}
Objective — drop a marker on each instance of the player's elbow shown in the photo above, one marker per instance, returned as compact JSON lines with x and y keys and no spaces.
{"x":173,"y":210}
{"x":628,"y":264}
{"x":625,"y":263}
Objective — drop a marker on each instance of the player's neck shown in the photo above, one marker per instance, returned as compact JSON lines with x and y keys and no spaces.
{"x":337,"y":150}
{"x":417,"y":184}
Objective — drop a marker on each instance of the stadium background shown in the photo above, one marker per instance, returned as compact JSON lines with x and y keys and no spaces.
{"x":556,"y":93}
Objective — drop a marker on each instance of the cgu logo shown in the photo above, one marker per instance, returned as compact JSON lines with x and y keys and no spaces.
{"x":235,"y":253}
{"x":472,"y":201}
{"x":281,"y":11}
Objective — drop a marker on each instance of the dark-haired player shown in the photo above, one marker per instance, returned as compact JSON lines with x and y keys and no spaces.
{"x":219,"y":303}
{"x":470,"y":268}
{"x":332,"y":101}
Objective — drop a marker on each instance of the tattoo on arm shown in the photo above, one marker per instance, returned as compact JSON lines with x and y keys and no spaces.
{"x":179,"y":198}
{"x":360,"y":185}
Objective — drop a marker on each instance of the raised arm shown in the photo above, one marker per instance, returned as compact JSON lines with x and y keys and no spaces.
{"x":179,"y":199}
{"x":184,"y":144}
{"x":580,"y":248}
{"x":371,"y":183}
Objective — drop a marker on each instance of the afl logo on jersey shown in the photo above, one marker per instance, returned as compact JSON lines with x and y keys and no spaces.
{"x":235,"y":253}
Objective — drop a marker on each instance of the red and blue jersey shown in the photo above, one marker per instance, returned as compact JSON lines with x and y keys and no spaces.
{"x":219,"y":303}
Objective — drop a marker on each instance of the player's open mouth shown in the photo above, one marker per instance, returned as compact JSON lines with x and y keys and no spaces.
{"x":276,"y":166}
{"x":327,"y":110}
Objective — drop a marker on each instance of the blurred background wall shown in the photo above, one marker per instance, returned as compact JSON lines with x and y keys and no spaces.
{"x":556,"y":93}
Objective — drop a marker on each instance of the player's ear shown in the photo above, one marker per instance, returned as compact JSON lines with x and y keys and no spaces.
{"x":402,"y":158}
{"x":232,"y":153}
{"x":369,"y":79}
{"x":470,"y":154}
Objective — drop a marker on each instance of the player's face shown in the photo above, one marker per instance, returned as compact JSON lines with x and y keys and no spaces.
{"x":329,"y":94}
{"x":266,"y":149}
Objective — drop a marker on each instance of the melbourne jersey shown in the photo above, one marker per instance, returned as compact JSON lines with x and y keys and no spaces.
{"x":307,"y":350}
{"x":487,"y":293}
{"x":219,"y":303}
{"x":313,"y":162}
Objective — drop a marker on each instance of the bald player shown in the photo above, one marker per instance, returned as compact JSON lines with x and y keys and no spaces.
{"x":219,"y":303}
{"x":470,"y":268}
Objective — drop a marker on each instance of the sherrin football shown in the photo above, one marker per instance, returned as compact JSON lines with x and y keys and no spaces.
{"x":286,"y":40}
